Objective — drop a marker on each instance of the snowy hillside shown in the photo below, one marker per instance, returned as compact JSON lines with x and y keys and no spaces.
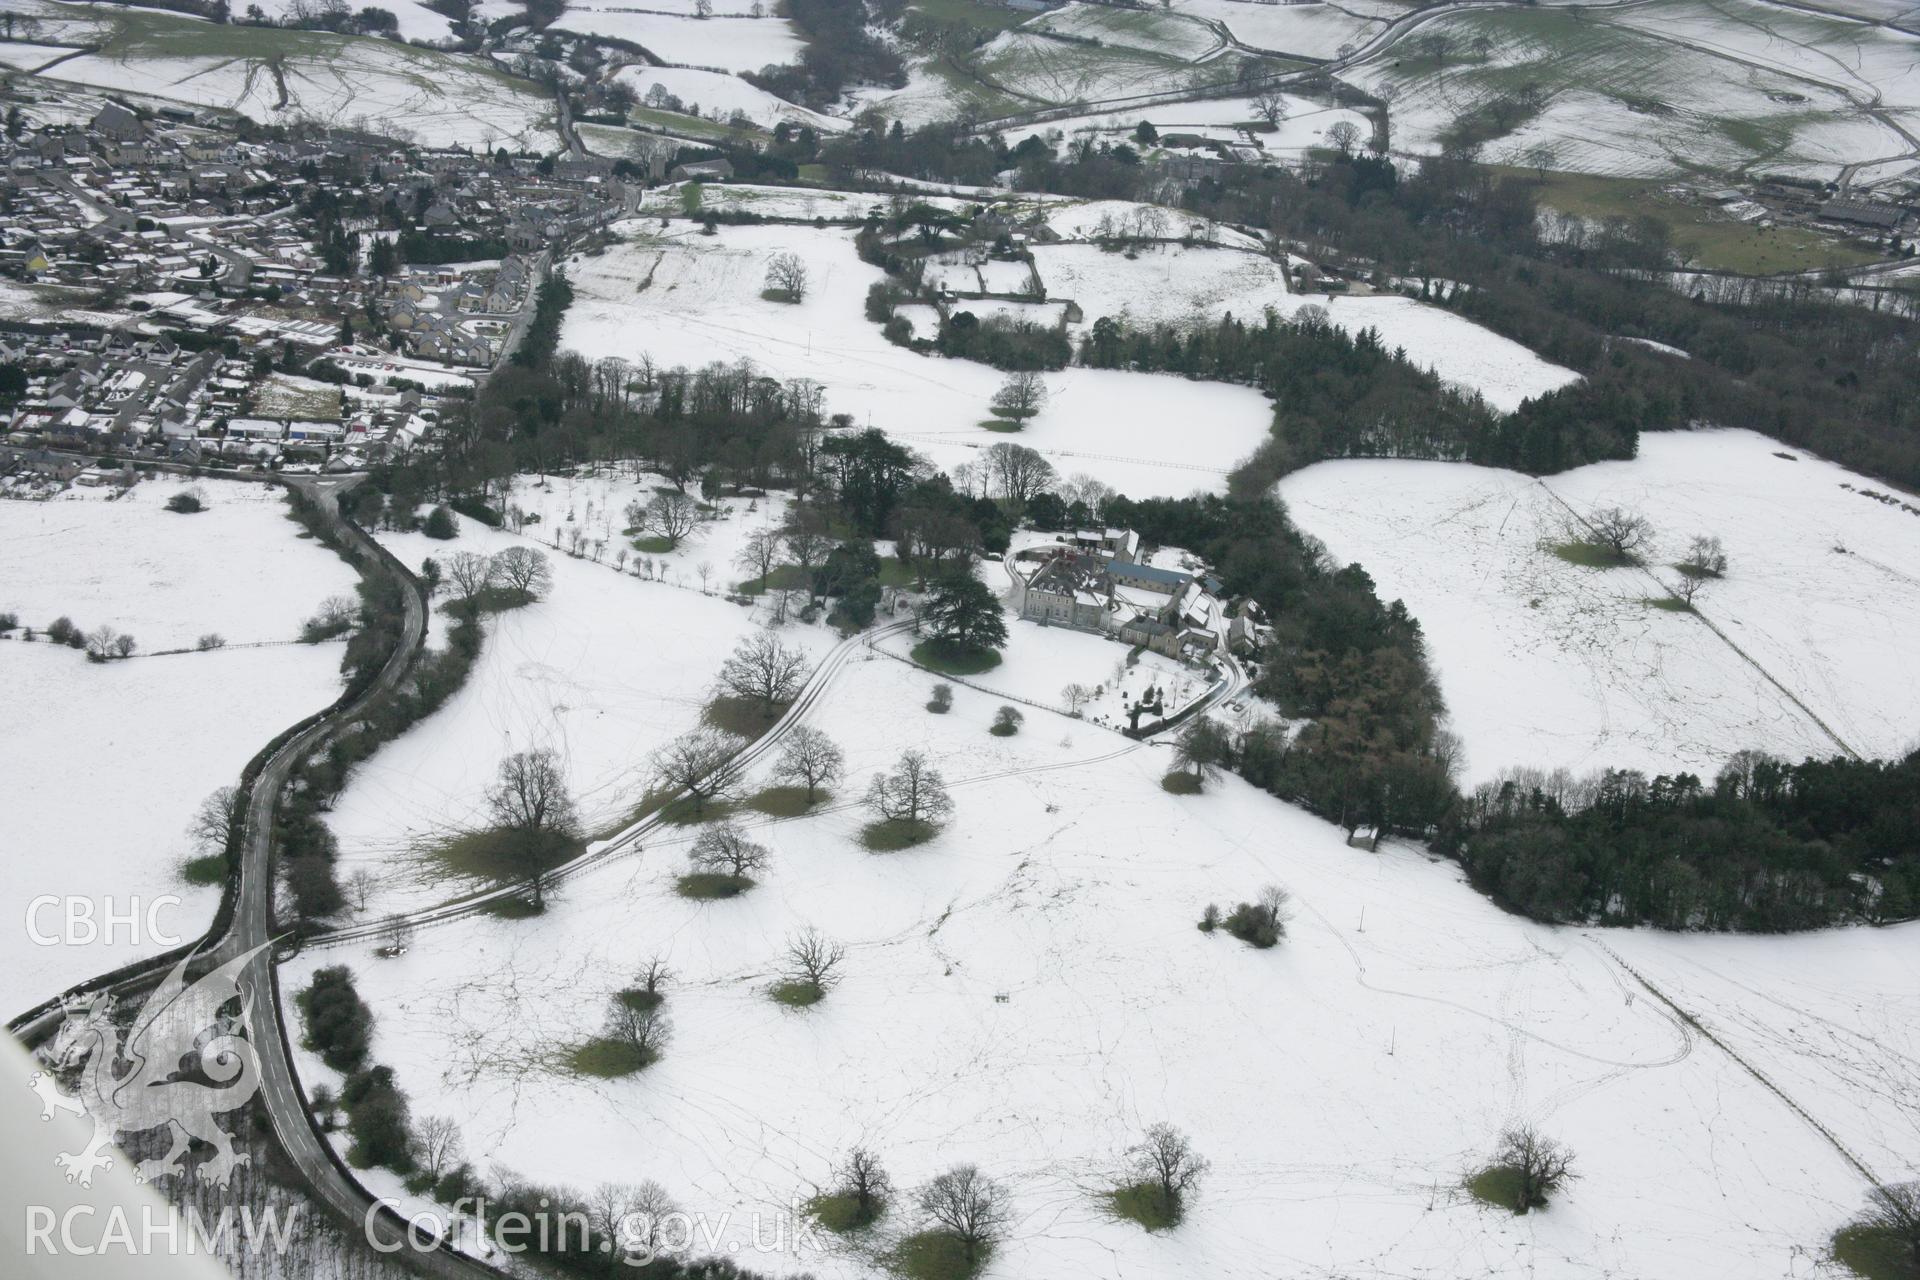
{"x":1028,"y":991}
{"x":1546,"y":663}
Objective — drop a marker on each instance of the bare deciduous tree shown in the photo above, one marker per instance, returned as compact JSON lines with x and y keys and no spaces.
{"x":1343,"y":136}
{"x":765,"y":671}
{"x":787,"y":276}
{"x":1894,"y":1212}
{"x":1539,"y":1165}
{"x":645,"y":1029}
{"x":913,"y":792}
{"x":861,"y":1179}
{"x":629,"y":1217}
{"x":1705,"y":560}
{"x":396,"y":931}
{"x":523,"y":571}
{"x":700,"y":763}
{"x":1021,"y":396}
{"x":1270,"y":105}
{"x":652,"y":976}
{"x":530,"y":802}
{"x":1203,"y":749}
{"x":436,"y":1146}
{"x":807,"y":541}
{"x":669,"y":515}
{"x":471,"y":574}
{"x":214,"y":819}
{"x":360,"y":887}
{"x":814,"y":959}
{"x":970,"y":1206}
{"x":1076,"y":696}
{"x":723,"y":848}
{"x":1019,"y":473}
{"x":759,"y":555}
{"x":1620,"y":533}
{"x":1166,"y":1159}
{"x":809,"y":758}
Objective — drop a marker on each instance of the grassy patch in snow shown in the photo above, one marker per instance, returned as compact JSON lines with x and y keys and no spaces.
{"x":1874,"y":1253}
{"x":951,"y":660}
{"x":1672,"y":604}
{"x":841,"y":1213}
{"x":210,"y":870}
{"x":934,"y":1255}
{"x":744,"y":716}
{"x":894,"y":573}
{"x":784,"y":802}
{"x":890,"y":835}
{"x":1590,"y":555}
{"x":683,"y":811}
{"x":608,"y":1059}
{"x":695,"y":127}
{"x":513,"y":908}
{"x":1006,"y":426}
{"x":653,"y":546}
{"x":709,"y":886}
{"x":1717,"y":241}
{"x":1181,"y":783}
{"x":797,"y":995}
{"x":1144,"y":1203}
{"x":488,"y":855}
{"x":788,"y":577}
{"x":1497,"y":1185}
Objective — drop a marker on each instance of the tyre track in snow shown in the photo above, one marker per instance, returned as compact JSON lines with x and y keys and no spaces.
{"x":1699,"y":1028}
{"x":1516,"y":1028}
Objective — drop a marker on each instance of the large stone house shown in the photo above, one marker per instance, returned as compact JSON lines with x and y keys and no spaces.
{"x":1091,"y":580}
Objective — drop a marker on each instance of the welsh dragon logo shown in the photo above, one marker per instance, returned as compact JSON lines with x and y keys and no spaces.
{"x":178,"y":1042}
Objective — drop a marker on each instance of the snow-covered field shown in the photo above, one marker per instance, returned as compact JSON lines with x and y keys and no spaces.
{"x":283,"y":76}
{"x":1171,"y":284}
{"x":1873,"y":62}
{"x":1544,"y":663}
{"x":602,"y":671}
{"x":704,"y":305}
{"x":102,"y":767}
{"x":1173,"y":34}
{"x":103,"y":764}
{"x":1051,"y":71}
{"x":728,"y":44}
{"x":1317,"y":30}
{"x":417,"y":22}
{"x":1028,"y":992}
{"x":25,"y":56}
{"x":1633,"y":102}
{"x":240,"y":568}
{"x":720,"y":96}
{"x":1306,"y":124}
